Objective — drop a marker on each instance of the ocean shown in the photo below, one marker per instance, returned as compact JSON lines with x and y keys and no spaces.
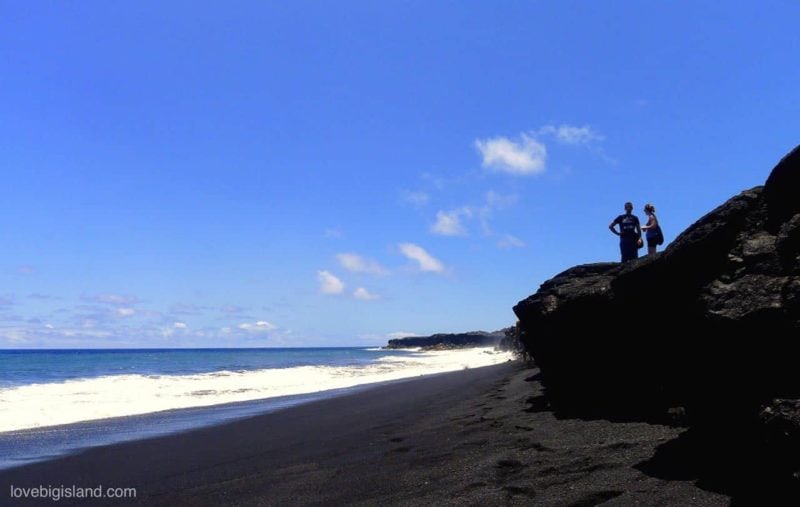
{"x":53,"y":402}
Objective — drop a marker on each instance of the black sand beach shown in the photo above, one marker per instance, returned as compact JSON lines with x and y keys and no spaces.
{"x":475,"y":437}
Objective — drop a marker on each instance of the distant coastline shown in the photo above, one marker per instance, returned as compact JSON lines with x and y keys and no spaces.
{"x":448,"y":341}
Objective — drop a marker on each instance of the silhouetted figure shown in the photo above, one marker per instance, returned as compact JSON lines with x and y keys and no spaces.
{"x":653,"y":233}
{"x":630,"y":233}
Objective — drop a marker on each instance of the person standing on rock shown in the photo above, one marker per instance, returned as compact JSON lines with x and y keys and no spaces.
{"x":652,"y":229}
{"x":630,"y":233}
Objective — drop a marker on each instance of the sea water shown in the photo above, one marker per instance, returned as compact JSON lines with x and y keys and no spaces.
{"x":57,"y":401}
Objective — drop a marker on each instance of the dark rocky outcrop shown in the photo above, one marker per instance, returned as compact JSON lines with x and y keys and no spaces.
{"x":710,"y":324}
{"x":442,"y":341}
{"x":780,"y":421}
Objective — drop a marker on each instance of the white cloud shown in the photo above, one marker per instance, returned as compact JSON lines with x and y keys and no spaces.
{"x":354,"y":262}
{"x":179,"y":325}
{"x":426,"y":261}
{"x":449,"y":224}
{"x":569,"y":134}
{"x":256,"y":327}
{"x":364,"y":295}
{"x":125,"y":312}
{"x":527,"y":156}
{"x":510,"y":241}
{"x":329,"y":284}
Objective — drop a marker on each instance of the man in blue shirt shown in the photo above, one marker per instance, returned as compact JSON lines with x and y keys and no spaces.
{"x":630,"y":233}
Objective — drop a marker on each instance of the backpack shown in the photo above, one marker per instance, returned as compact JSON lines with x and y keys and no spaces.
{"x":659,"y":235}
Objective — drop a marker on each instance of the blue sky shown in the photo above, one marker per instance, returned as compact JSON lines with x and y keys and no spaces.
{"x":338,"y":173}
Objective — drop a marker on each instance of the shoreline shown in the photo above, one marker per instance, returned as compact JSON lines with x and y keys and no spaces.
{"x":39,"y":405}
{"x":477,"y":436}
{"x":19,"y":448}
{"x":35,"y":445}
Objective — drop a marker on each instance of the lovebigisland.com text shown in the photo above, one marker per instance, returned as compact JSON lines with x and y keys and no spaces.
{"x":56,"y":493}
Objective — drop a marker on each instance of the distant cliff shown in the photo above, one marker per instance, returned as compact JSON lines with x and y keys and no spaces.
{"x":442,"y":341}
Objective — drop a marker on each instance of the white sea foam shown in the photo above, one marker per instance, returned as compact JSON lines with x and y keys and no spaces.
{"x":38,"y":405}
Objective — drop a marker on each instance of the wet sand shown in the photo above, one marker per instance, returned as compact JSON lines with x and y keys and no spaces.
{"x":483,"y":436}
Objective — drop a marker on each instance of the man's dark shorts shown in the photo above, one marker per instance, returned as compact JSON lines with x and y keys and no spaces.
{"x":629,"y":249}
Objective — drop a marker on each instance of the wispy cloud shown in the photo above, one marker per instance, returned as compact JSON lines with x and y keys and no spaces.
{"x":113,"y":299}
{"x":257,"y":327}
{"x":232,"y":309}
{"x":523,"y":157}
{"x":329,"y":283}
{"x":93,"y":316}
{"x":50,"y":337}
{"x":499,"y":201}
{"x":357,"y":264}
{"x":509,"y":241}
{"x":568,"y":134}
{"x":418,"y":199}
{"x":365,"y":295}
{"x":435,"y":181}
{"x":188,"y":309}
{"x":26,"y":270}
{"x":334,"y":233}
{"x":177,"y":329}
{"x":14,"y":336}
{"x":494,"y":201}
{"x":107,"y":332}
{"x":43,"y":297}
{"x":454,"y":223}
{"x":449,"y":223}
{"x":6,"y":317}
{"x":424,"y":260}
